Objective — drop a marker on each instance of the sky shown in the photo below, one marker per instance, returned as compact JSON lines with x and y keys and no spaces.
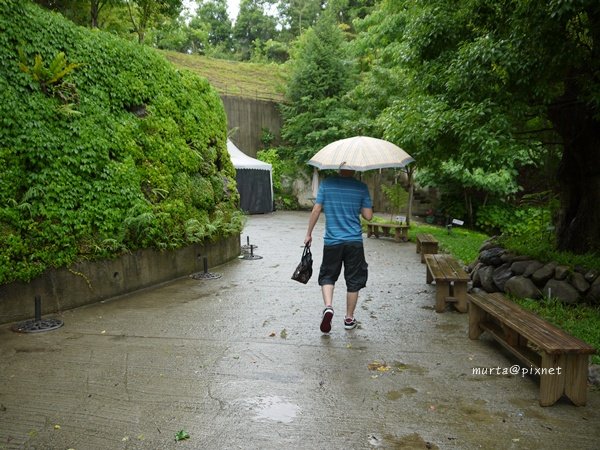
{"x":233,"y":7}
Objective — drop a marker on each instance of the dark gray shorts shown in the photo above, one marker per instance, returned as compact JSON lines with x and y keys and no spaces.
{"x":352,"y":256}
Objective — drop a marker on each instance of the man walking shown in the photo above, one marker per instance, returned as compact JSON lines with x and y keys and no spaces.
{"x":344,"y":199}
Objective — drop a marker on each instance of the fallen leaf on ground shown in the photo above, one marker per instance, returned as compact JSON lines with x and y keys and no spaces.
{"x":379,"y":366}
{"x":181,"y":435}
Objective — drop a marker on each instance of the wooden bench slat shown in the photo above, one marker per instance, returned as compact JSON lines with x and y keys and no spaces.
{"x":562,"y":359}
{"x":445,"y":267}
{"x":450,"y":279}
{"x":543,"y":334}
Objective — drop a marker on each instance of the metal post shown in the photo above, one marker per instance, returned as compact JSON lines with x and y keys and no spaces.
{"x":38,"y":308}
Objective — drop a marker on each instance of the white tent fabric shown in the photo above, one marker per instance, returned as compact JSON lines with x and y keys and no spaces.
{"x":242,"y":161}
{"x":254,"y":181}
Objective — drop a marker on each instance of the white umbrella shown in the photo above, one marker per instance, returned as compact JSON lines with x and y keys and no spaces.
{"x":360,"y":153}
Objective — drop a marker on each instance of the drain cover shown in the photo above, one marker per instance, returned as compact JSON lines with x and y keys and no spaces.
{"x":206,"y":276}
{"x":37,"y":326}
{"x":250,"y":256}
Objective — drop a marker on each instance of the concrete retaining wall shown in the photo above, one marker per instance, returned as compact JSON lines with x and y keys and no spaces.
{"x":89,"y":282}
{"x":250,"y":116}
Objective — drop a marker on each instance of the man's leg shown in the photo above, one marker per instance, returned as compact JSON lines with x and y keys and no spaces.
{"x":351,"y":301}
{"x":327,"y":291}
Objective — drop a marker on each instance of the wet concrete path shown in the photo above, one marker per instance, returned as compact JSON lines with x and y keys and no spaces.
{"x":239,"y":362}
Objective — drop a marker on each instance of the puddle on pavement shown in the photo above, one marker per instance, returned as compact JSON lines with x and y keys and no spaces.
{"x":273,"y":408}
{"x":476,"y":411}
{"x":410,"y":441}
{"x":401,"y":367}
{"x":396,"y":394}
{"x":447,"y":326}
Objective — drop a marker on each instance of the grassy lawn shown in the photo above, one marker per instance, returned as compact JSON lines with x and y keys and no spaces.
{"x":582,"y":321}
{"x":241,"y":79}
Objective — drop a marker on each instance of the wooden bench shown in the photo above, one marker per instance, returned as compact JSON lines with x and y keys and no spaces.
{"x":560,"y":360}
{"x":400,"y":231}
{"x":450,"y":280}
{"x":426,"y":244}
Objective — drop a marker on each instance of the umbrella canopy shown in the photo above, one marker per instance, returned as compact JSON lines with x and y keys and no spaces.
{"x":360,"y":153}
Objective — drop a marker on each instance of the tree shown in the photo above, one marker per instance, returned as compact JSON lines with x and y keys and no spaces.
{"x":213,"y":13}
{"x":143,"y":12}
{"x":320,"y":77}
{"x":298,"y":15}
{"x":253,"y":24}
{"x":471,"y":89}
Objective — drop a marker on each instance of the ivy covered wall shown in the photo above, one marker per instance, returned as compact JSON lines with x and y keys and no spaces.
{"x":105,"y":148}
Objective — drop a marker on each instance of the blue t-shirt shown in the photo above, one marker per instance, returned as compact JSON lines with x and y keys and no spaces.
{"x":342,"y":199}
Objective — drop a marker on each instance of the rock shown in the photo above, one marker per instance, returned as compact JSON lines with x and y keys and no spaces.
{"x":594,"y":374}
{"x":475,"y":275}
{"x":561,"y":272}
{"x":501,"y":275}
{"x":577,"y":280}
{"x":522,"y":258}
{"x":591,"y":276}
{"x":508,"y":257}
{"x":522,"y":287}
{"x":593,"y":294}
{"x":543,"y":274}
{"x":471,"y":267}
{"x":561,"y":290}
{"x":532,"y":267}
{"x":519,"y":267}
{"x":486,"y":277}
{"x":488,"y":243}
{"x":492,"y":256}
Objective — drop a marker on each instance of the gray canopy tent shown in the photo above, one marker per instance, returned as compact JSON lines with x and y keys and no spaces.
{"x":254,"y":181}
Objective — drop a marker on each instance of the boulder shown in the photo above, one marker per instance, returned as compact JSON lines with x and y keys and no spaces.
{"x":577,"y":280}
{"x":561,"y":290}
{"x":522,"y":287}
{"x":519,"y":267}
{"x":475,"y":275}
{"x":543,"y":274}
{"x":593,"y":294}
{"x":591,"y":276}
{"x":561,"y":272}
{"x":488,"y":243}
{"x":492,"y":256}
{"x":486,"y":277}
{"x":501,"y":275}
{"x":532,"y":267}
{"x":508,"y":257}
{"x":594,"y":374}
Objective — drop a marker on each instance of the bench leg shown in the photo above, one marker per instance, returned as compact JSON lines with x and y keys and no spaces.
{"x":397,"y":235}
{"x":442,"y":291}
{"x":576,"y":373}
{"x":419,"y":246}
{"x":459,"y":291}
{"x":476,"y":316}
{"x":552,"y":386}
{"x":429,"y":277}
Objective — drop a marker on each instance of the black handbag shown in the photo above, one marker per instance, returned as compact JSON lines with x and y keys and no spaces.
{"x":304,"y":270}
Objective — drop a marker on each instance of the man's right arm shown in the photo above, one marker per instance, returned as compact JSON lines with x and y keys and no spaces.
{"x":312,"y":221}
{"x":367,"y":213}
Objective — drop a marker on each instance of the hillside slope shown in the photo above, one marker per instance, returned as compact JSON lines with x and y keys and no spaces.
{"x":261,"y":81}
{"x":105,"y":147}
